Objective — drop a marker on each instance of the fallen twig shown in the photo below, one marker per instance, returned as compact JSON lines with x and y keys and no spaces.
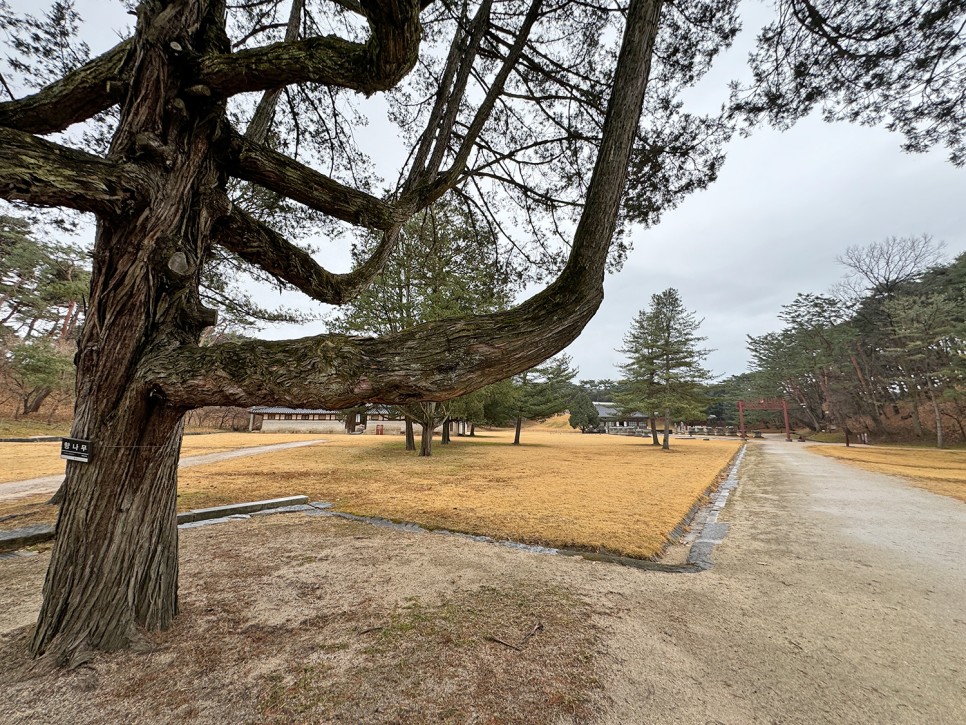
{"x":505,"y":644}
{"x":538,"y":627}
{"x":367,"y":630}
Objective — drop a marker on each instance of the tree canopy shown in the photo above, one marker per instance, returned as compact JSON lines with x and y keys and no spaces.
{"x":892,"y":339}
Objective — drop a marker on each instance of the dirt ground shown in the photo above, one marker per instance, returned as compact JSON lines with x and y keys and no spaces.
{"x":824,"y":606}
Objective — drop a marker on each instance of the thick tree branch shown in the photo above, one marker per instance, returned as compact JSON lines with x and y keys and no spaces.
{"x":77,"y":96}
{"x":284,"y":175}
{"x":259,"y":245}
{"x":443,"y":359}
{"x":376,"y":65}
{"x":47,"y":174}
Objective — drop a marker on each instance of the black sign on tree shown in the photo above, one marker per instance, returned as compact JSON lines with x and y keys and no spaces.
{"x":75,"y":449}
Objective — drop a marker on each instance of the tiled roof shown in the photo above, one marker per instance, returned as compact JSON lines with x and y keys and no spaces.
{"x":609,"y":410}
{"x":262,"y":409}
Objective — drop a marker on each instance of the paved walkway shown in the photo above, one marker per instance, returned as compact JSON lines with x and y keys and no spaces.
{"x":49,"y":484}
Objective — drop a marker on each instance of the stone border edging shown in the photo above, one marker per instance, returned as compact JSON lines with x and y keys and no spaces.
{"x":29,"y":535}
{"x":731,"y":468}
{"x":713,"y":532}
{"x":699,"y":557}
{"x":33,"y":439}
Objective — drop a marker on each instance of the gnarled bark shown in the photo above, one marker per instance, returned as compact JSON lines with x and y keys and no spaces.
{"x":45,"y":173}
{"x":114,"y":566}
{"x":79,"y":95}
{"x":340,"y":371}
{"x":376,"y":65}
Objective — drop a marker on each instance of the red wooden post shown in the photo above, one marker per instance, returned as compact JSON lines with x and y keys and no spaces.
{"x":788,"y":432}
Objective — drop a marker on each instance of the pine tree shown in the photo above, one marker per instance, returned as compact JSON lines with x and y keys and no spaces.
{"x":544,"y":391}
{"x":664,"y":371}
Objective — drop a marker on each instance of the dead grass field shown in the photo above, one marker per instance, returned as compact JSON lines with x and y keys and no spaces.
{"x":939,"y":471}
{"x":592,"y":492}
{"x":21,"y":461}
{"x":27,"y":428}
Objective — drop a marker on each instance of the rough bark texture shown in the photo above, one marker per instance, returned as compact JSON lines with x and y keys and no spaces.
{"x":76,"y":97}
{"x":377,"y":65}
{"x":338,"y":371}
{"x":118,"y":524}
{"x":47,"y":174}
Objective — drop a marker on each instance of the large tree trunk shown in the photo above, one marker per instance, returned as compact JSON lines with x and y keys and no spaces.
{"x":159,"y":198}
{"x":936,"y":411}
{"x":516,"y":431}
{"x":426,"y":439}
{"x":444,"y":432}
{"x":653,"y":424}
{"x":114,"y":566}
{"x":666,"y":444}
{"x":34,"y":399}
{"x":410,"y":436}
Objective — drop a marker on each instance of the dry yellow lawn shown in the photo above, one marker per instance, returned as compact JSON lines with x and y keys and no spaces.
{"x":596,"y":492}
{"x":942,"y":472}
{"x":20,"y":461}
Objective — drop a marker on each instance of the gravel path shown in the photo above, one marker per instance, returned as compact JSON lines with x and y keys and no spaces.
{"x":837,"y":597}
{"x":49,"y":484}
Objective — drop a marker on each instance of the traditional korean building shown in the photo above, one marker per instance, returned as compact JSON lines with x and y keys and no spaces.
{"x":372,"y":419}
{"x":612,"y":420}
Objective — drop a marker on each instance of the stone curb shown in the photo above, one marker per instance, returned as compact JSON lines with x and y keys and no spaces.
{"x":217,"y":512}
{"x":19,"y":538}
{"x":33,"y":439}
{"x":29,"y":535}
{"x":713,"y":532}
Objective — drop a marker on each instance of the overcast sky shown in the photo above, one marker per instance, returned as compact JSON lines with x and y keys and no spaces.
{"x":783,"y":208}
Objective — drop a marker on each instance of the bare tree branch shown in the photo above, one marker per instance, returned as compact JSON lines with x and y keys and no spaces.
{"x":76,"y":97}
{"x":376,"y":65}
{"x":257,"y":244}
{"x":449,"y":178}
{"x":47,"y":174}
